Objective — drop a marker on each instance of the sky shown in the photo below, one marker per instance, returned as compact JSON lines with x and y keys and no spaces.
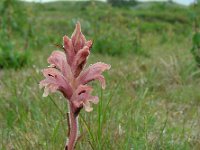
{"x":185,"y":2}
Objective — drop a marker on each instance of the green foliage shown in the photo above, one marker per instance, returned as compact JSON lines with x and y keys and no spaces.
{"x":11,"y":58}
{"x":115,"y":30}
{"x":113,"y":34}
{"x":198,"y":2}
{"x":111,"y":40}
{"x":195,"y":18}
{"x":196,"y":48}
{"x":122,"y":2}
{"x":14,"y":25}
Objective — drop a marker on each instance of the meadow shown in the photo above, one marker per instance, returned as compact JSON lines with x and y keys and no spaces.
{"x":152,"y":98}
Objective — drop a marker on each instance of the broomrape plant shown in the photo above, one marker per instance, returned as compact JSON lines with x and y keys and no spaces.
{"x":67,"y":74}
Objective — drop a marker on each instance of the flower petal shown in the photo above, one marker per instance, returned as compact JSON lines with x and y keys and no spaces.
{"x":80,"y":60}
{"x":58,"y":59}
{"x":69,"y":49}
{"x":86,"y":103}
{"x":101,"y":80}
{"x":87,"y":106}
{"x":50,"y":88}
{"x":78,"y":39}
{"x":43,"y":83}
{"x":82,"y":98}
{"x":89,"y":44}
{"x":80,"y":90}
{"x":93,"y":73}
{"x":55,"y":81}
{"x":46,"y":92}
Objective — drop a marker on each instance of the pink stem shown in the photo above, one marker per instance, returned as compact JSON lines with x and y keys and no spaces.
{"x":73,"y":129}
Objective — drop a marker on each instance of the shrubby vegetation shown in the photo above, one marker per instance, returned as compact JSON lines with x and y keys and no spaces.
{"x":196,"y":29}
{"x":122,"y":3}
{"x":116,"y":30}
{"x":196,"y":47}
{"x":14,"y":34}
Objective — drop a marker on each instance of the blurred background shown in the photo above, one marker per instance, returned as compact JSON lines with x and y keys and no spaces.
{"x":152,"y":99}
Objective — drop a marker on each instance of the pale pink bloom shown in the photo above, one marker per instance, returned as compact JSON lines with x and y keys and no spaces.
{"x":67,"y":74}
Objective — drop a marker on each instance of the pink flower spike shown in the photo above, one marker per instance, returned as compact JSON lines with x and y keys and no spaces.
{"x":67,"y":74}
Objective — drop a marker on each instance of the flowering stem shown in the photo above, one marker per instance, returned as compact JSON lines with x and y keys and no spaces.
{"x":73,"y":117}
{"x":66,"y":74}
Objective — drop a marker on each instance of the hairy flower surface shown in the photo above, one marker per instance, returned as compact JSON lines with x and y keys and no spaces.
{"x":67,"y":74}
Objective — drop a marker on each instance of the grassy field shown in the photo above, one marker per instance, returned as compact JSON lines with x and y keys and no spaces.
{"x":152,"y":98}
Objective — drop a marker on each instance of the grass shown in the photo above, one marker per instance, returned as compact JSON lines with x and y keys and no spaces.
{"x":151,"y":102}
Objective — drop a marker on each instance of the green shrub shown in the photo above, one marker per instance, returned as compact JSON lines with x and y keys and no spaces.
{"x":122,"y":3}
{"x":113,"y":33}
{"x":196,"y":48}
{"x":13,"y":59}
{"x":195,"y":18}
{"x":115,"y":41}
{"x":14,"y":34}
{"x":10,"y":55}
